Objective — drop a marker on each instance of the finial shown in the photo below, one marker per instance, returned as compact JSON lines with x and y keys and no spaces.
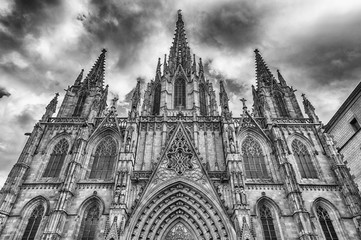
{"x":104,"y":50}
{"x":243,"y":100}
{"x":256,"y":50}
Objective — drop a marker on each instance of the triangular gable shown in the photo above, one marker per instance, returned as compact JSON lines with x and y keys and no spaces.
{"x":179,"y":160}
{"x":254,"y":124}
{"x":110,"y":121}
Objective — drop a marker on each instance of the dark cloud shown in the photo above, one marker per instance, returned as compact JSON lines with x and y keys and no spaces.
{"x":230,"y":25}
{"x":27,"y":17}
{"x":4,"y":92}
{"x":233,"y":86}
{"x":123,"y":25}
{"x":25,"y":119}
{"x":328,"y":52}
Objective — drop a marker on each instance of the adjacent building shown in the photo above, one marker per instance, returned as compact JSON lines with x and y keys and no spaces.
{"x":180,"y":166}
{"x":345,"y":128}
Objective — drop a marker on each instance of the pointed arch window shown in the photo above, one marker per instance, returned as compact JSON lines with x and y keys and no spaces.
{"x":269,"y":231}
{"x":202,"y":99}
{"x":156,"y":103}
{"x":79,"y":105}
{"x":326,"y":224}
{"x":303,"y":159}
{"x":281,"y":106}
{"x":104,"y":159}
{"x":33,"y":223}
{"x":179,"y":93}
{"x":89,"y":223}
{"x":56,"y":160}
{"x":253,"y":158}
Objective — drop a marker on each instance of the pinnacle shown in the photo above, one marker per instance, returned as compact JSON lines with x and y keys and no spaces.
{"x":262,"y":70}
{"x":96,"y":74}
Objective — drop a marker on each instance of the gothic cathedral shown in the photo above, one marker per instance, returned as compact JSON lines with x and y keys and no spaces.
{"x":180,"y":166}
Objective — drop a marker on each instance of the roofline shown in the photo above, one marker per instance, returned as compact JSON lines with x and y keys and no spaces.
{"x":343,"y":107}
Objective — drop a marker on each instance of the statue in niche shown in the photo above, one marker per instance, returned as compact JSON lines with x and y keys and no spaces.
{"x":127,"y":145}
{"x":243,"y":196}
{"x":232,"y":146}
{"x":122,"y":195}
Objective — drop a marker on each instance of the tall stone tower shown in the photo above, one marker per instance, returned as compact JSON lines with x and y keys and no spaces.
{"x":179,"y":166}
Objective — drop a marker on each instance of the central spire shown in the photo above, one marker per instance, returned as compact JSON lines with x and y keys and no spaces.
{"x":179,"y":51}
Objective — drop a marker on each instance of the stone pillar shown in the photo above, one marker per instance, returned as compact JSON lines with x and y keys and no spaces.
{"x":57,"y":218}
{"x":293,"y":190}
{"x":11,"y":189}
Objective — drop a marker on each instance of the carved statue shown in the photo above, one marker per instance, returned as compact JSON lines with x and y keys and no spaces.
{"x":127,"y":145}
{"x":232,"y":147}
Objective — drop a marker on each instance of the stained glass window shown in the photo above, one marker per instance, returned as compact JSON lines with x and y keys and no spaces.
{"x":202,"y":99}
{"x":280,"y":104}
{"x":33,"y":223}
{"x":179,"y":232}
{"x":79,"y":105}
{"x":179,"y":93}
{"x":89,"y":223}
{"x":104,"y":159}
{"x":267,"y":223}
{"x":156,"y":103}
{"x":303,"y":159}
{"x":253,"y":158}
{"x":56,"y":159}
{"x":326,"y":224}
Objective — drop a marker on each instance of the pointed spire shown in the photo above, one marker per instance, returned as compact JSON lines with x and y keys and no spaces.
{"x":200,"y":66}
{"x":136,"y":96}
{"x":165,"y":67}
{"x":223,"y":100}
{"x":158,"y":67}
{"x":79,"y":78}
{"x":194,"y":66}
{"x":263,"y":73}
{"x":179,"y":52}
{"x":50,"y":108}
{"x":281,"y":79}
{"x":95,"y":76}
{"x":309,"y":109}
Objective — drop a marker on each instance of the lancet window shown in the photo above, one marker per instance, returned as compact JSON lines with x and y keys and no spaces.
{"x":269,"y":231}
{"x":156,"y":102}
{"x":33,"y":223}
{"x":202,"y":99}
{"x":253,"y":158}
{"x":280,"y":104}
{"x":56,"y":160}
{"x":179,"y":93}
{"x":89,"y":223}
{"x":79,"y":105}
{"x":104,"y":159}
{"x":326,"y":224}
{"x":303,"y":159}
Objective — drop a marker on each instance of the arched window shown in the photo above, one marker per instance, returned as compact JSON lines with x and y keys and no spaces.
{"x":89,"y":223}
{"x":280,"y":104}
{"x":104,"y":159}
{"x":79,"y":105}
{"x":56,"y":159}
{"x":303,"y":159}
{"x":326,"y":224}
{"x":254,"y":160}
{"x":269,"y":231}
{"x":33,"y":223}
{"x":179,"y":93}
{"x":202,"y":99}
{"x":156,"y":103}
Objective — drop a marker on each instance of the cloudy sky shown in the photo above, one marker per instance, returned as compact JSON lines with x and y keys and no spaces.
{"x":44,"y":45}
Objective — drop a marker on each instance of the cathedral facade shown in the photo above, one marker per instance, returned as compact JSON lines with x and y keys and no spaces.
{"x":179,"y":166}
